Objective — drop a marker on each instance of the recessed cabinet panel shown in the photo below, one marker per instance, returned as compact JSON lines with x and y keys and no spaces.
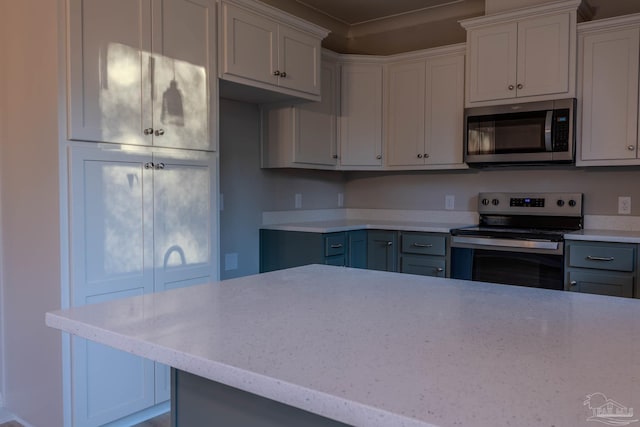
{"x":361,"y":115}
{"x":601,"y":283}
{"x":492,"y":54}
{"x":406,"y":114}
{"x":609,"y":122}
{"x":300,"y":60}
{"x":110,"y":46}
{"x":543,"y":52}
{"x":250,"y":45}
{"x":183,"y":55}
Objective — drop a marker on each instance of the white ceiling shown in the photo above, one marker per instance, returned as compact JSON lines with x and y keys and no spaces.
{"x":353,"y":12}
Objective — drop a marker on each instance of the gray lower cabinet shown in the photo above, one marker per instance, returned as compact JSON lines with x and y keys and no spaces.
{"x":424,"y":253}
{"x":286,"y":249}
{"x":382,"y":250}
{"x":601,"y":268}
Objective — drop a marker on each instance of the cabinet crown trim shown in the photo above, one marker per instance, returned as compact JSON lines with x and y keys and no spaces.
{"x":280,"y":16}
{"x":610,"y":23}
{"x":523,"y":13}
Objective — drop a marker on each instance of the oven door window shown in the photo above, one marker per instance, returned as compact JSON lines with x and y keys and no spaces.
{"x":509,"y":268}
{"x":508,"y":133}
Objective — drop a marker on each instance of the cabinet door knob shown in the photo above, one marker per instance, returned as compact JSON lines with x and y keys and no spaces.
{"x":631,"y":147}
{"x":389,"y":243}
{"x":160,"y":166}
{"x":335,"y":156}
{"x":283,"y":74}
{"x":511,"y":87}
{"x":426,"y":156}
{"x":379,"y":156}
{"x":148,"y":165}
{"x":520,"y":85}
{"x":439,"y":270}
{"x":148,"y":131}
{"x":159,"y":132}
{"x":419,"y":156}
{"x":276,"y":73}
{"x":573,"y":283}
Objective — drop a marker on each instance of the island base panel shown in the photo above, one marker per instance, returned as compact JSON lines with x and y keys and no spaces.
{"x":197,"y":401}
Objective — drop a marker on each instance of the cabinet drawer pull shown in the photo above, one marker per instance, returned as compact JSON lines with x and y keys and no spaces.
{"x":336,"y":246}
{"x":599,"y":258}
{"x":422,"y":245}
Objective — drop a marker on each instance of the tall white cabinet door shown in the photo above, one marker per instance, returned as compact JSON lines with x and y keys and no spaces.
{"x":543,"y":49}
{"x":444,"y":115}
{"x":184,"y":230}
{"x":610,"y":95}
{"x":111,"y":255}
{"x":492,"y":55}
{"x":315,"y":123}
{"x":110,"y":43}
{"x":299,"y":59}
{"x":406,"y":114}
{"x":250,"y":45}
{"x":184,"y":35}
{"x":361,"y":115}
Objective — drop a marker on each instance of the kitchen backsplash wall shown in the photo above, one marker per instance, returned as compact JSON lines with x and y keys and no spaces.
{"x":247,"y":190}
{"x":427,"y":191}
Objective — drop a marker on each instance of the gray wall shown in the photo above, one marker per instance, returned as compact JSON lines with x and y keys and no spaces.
{"x":248,"y":190}
{"x":427,"y":190}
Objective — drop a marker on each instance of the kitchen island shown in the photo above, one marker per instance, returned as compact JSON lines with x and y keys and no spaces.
{"x":370,"y":348}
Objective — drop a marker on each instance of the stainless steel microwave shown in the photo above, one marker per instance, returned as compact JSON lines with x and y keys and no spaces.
{"x":533,"y":132}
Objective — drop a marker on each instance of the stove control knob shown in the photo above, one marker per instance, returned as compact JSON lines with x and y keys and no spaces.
{"x":495,"y":202}
{"x":485,"y":202}
{"x":572,"y":203}
{"x":560,"y":202}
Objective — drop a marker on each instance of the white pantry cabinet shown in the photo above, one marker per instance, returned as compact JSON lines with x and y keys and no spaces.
{"x":140,"y":72}
{"x":303,"y":135}
{"x":360,"y":119}
{"x":142,"y":220}
{"x":268,"y":49}
{"x":425,"y":108}
{"x":527,"y":54}
{"x":609,"y":52}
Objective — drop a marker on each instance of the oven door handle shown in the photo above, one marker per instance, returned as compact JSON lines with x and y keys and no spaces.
{"x":506,"y":243}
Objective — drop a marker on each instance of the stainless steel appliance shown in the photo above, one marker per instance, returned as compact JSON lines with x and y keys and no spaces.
{"x":534,"y":132}
{"x":519,"y":241}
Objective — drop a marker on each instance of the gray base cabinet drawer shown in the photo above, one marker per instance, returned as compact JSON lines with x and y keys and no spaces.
{"x":423,"y":265}
{"x":603,"y":256}
{"x":424,"y":244}
{"x":601,"y":283}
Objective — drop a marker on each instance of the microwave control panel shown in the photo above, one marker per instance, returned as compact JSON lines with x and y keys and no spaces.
{"x":561,"y":126}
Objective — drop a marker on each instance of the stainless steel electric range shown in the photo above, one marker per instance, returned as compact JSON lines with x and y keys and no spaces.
{"x":519,"y":240}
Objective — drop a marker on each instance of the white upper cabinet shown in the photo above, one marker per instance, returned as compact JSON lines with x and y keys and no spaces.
{"x":303,"y":135}
{"x":360,"y":119}
{"x":140,"y":72}
{"x":268,"y":49}
{"x":608,"y":84}
{"x":527,"y":54}
{"x":425,"y":106}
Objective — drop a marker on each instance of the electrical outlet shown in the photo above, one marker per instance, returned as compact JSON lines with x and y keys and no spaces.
{"x":230,"y":261}
{"x":449,"y":202}
{"x":624,"y":205}
{"x":340,"y":200}
{"x":298,"y":200}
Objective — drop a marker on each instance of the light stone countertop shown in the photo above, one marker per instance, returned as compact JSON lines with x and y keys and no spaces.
{"x":355,"y":224}
{"x":379,"y":349}
{"x":618,"y":236}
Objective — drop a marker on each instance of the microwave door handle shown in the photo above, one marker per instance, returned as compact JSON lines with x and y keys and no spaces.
{"x":547,"y":132}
